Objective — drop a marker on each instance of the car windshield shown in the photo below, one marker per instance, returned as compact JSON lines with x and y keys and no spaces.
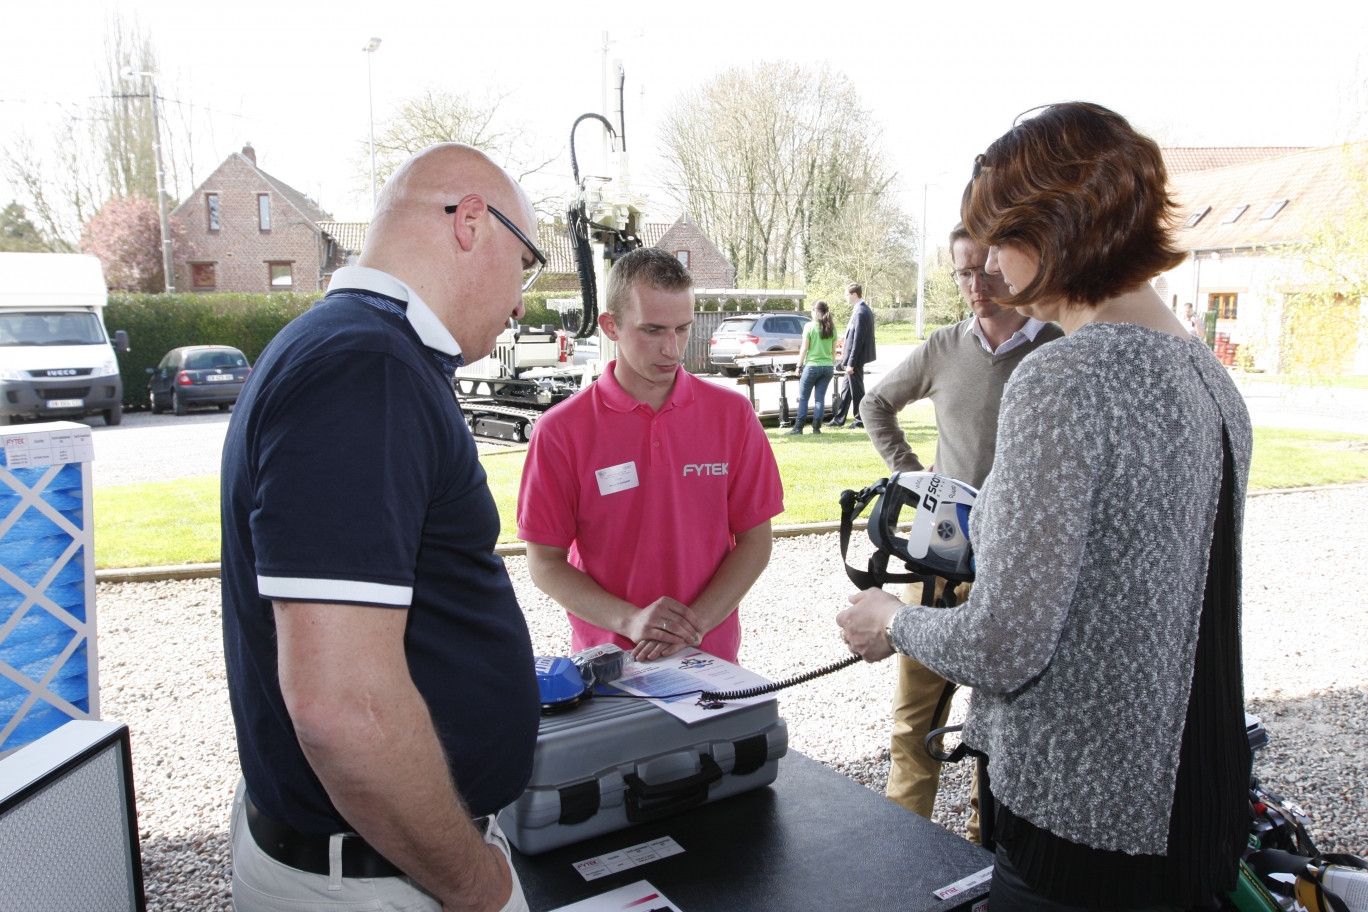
{"x":210,"y":360}
{"x":49,"y":328}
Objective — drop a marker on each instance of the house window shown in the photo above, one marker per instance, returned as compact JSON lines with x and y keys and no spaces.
{"x":683,"y":257}
{"x":211,"y":205}
{"x":264,"y":211}
{"x":1197,"y":216}
{"x":1273,"y":209}
{"x":1234,"y":214}
{"x":1223,"y":304}
{"x":282,"y":276}
{"x":202,"y":276}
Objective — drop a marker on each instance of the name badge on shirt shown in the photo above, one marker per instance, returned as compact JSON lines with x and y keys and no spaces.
{"x":617,"y":478}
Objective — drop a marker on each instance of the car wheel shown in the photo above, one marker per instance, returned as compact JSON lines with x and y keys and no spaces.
{"x":153,"y":403}
{"x":113,"y":416}
{"x":177,"y":404}
{"x":224,"y":406}
{"x":730,"y":371}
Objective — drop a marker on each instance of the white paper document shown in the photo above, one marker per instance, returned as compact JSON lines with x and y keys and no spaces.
{"x":630,"y":857}
{"x":685,"y":673}
{"x":638,"y":897}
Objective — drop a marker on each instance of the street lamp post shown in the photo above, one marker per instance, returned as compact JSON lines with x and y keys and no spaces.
{"x":370,"y":49}
{"x":167,"y":269}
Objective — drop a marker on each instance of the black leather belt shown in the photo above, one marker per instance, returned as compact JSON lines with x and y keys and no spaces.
{"x":310,"y":853}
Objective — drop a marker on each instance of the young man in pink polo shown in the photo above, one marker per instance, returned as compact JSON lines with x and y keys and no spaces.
{"x":646,"y":499}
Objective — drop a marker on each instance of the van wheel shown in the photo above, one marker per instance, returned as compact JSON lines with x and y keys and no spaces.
{"x":113,"y":416}
{"x":177,"y":404}
{"x":730,"y":371}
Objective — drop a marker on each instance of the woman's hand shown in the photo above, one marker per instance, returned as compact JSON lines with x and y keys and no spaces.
{"x":863,"y":623}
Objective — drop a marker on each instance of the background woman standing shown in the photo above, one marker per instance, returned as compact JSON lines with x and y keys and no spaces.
{"x":817,"y":364}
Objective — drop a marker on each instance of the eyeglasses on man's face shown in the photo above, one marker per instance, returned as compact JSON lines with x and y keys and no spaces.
{"x":530,"y":273}
{"x":966,"y":276}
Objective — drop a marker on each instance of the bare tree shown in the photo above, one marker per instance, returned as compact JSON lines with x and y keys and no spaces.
{"x":98,"y":149}
{"x":768,"y":159}
{"x":124,"y":131}
{"x":866,"y":239}
{"x":60,"y":186}
{"x":437,"y":116}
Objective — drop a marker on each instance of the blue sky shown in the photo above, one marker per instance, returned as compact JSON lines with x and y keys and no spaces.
{"x":291,"y":78}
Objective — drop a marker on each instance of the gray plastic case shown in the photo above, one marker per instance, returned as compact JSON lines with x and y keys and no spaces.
{"x":610,"y":763}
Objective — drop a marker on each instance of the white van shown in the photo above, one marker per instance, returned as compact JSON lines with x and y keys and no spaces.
{"x":56,"y":360}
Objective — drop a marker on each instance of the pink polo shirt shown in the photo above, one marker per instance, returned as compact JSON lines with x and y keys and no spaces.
{"x":648,"y":503}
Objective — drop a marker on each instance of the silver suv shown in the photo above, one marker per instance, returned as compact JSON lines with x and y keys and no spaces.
{"x":752,"y":334}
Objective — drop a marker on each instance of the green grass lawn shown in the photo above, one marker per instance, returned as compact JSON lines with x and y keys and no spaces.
{"x":903,"y":332}
{"x":177,"y":522}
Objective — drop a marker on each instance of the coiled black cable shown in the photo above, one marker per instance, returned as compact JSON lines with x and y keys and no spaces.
{"x":711,"y":696}
{"x":746,"y":694}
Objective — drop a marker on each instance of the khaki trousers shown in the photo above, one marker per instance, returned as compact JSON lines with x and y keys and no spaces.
{"x":913,"y":775}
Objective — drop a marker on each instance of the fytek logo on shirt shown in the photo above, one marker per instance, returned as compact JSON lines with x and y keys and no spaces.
{"x":705,"y":468}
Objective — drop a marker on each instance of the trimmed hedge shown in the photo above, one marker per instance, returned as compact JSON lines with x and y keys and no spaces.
{"x":157,"y":323}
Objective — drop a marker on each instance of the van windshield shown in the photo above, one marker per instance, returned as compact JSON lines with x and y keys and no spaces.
{"x":51,"y":328}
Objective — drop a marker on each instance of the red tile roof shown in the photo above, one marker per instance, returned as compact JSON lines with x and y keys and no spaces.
{"x":1315,"y":183}
{"x":1183,"y":159}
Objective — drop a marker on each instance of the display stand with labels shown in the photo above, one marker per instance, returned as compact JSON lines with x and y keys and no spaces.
{"x":48,"y":654}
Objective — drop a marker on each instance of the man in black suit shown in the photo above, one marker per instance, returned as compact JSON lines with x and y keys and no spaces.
{"x":857,"y":350}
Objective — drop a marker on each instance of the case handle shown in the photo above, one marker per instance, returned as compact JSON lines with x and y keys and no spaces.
{"x":652,"y":802}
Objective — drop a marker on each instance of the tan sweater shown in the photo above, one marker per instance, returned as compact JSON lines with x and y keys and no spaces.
{"x":952,"y":369}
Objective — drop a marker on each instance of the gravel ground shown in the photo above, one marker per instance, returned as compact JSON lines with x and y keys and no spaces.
{"x":1306,"y":672}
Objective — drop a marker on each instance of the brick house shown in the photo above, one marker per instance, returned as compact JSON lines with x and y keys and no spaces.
{"x":709,"y":266}
{"x":255,"y":233}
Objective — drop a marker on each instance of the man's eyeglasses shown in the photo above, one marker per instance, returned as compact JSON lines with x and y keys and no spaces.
{"x":529,"y":275}
{"x":965,"y":277}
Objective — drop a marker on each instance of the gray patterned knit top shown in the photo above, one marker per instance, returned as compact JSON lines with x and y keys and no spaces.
{"x":1091,"y":536}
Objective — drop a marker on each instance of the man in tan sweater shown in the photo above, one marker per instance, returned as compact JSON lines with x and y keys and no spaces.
{"x":962,"y":369}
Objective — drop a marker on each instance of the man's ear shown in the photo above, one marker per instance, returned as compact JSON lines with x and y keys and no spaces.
{"x":469,"y":214}
{"x":608,"y":325}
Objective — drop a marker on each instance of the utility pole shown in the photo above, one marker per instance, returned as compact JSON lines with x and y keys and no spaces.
{"x":921,"y":270}
{"x":370,"y":49}
{"x":168,"y":269}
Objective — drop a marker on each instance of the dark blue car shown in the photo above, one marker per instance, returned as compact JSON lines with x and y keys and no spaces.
{"x":197,"y":375}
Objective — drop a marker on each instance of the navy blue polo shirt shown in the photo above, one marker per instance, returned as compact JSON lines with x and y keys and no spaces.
{"x":350,"y":476}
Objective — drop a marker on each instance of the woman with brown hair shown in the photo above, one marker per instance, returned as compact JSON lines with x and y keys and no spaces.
{"x":1102,"y":634}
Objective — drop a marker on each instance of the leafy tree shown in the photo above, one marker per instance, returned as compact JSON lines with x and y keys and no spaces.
{"x":944,"y":303}
{"x":126,"y":235}
{"x":17,"y":233}
{"x":1324,"y":279}
{"x":780,"y":165}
